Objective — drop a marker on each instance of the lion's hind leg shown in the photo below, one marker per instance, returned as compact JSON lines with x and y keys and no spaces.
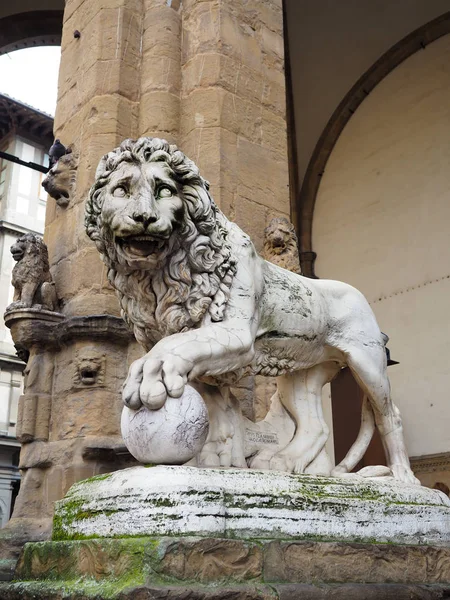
{"x":368,"y":365}
{"x":301,"y":395}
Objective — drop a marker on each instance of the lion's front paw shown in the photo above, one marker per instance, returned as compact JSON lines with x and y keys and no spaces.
{"x":150,"y":380}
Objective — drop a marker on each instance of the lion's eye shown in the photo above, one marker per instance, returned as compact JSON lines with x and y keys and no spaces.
{"x":119,"y":192}
{"x":164,"y":192}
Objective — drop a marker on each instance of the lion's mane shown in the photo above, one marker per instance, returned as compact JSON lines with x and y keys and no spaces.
{"x":33,"y":266}
{"x":198,"y":273}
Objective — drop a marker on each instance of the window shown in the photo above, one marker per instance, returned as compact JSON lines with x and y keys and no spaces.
{"x":3,"y":167}
{"x":41,"y":211}
{"x":25,"y":179}
{"x":10,"y":391}
{"x":22,"y":204}
{"x":42,"y":194}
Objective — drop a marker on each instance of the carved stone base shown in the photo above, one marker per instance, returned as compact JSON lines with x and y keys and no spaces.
{"x":216,"y":568}
{"x":240,"y":503}
{"x":203,"y":534}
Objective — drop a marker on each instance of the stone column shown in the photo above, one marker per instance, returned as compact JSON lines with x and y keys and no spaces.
{"x":159,"y":112}
{"x":233,"y":119}
{"x":233,"y":108}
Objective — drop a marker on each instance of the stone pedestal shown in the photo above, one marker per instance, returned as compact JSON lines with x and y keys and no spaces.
{"x":72,"y":363}
{"x":249,"y":504}
{"x":187,"y":533}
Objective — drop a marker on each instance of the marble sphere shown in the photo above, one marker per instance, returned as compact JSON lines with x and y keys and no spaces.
{"x":171,"y":435}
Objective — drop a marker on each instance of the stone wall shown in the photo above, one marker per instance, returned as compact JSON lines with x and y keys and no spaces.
{"x":381,"y":224}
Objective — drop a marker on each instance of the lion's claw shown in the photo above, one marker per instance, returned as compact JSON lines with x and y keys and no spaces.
{"x":153,"y":395}
{"x":150,"y":380}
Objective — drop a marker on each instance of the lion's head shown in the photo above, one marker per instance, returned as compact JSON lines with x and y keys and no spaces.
{"x":30,"y":247}
{"x":280,"y":244}
{"x":60,"y":180}
{"x":162,"y":237}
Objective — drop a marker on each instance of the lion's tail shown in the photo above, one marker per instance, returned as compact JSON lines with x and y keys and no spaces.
{"x":357,"y":451}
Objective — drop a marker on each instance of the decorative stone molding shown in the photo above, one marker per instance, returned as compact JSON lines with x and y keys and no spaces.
{"x":431,"y":462}
{"x":30,"y":326}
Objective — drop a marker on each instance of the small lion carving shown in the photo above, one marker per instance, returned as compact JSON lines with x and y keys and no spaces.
{"x":280,"y":244}
{"x":31,"y":278}
{"x":209,"y":310}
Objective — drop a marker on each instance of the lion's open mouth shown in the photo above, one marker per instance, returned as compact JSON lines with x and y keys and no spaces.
{"x":141,"y":245}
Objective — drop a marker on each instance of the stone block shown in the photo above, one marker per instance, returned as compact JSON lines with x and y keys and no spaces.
{"x":239,"y":39}
{"x":201,"y":29}
{"x":61,"y":234}
{"x":72,"y":422}
{"x":252,"y":218}
{"x":217,"y":70}
{"x":263,"y":176}
{"x":161,"y":36}
{"x":274,"y":97}
{"x":209,"y":560}
{"x":273,"y":44}
{"x":105,"y":59}
{"x":159,"y":113}
{"x":161,"y":74}
{"x":274,"y":132}
{"x":84,"y":10}
{"x":214,"y":107}
{"x":81,"y":271}
{"x":311,"y":562}
{"x":89,"y":304}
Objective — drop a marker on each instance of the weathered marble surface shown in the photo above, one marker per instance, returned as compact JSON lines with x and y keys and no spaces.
{"x":242,"y":503}
{"x":172,"y":435}
{"x":208,"y":308}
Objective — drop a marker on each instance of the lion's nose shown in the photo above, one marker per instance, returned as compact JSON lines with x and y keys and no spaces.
{"x":145,"y":218}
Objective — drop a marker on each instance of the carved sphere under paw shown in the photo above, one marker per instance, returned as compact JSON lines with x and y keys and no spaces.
{"x":171,"y":435}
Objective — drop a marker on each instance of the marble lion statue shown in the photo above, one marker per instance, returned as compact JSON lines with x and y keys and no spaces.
{"x":209,"y":310}
{"x":31,"y":278}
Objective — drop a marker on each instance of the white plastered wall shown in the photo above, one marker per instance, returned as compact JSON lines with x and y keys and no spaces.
{"x":382,"y":224}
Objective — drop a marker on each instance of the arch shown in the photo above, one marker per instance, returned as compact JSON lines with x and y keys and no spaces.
{"x":415,"y":41}
{"x":33,"y":28}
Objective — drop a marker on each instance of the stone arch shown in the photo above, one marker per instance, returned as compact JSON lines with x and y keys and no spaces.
{"x":31,"y":28}
{"x":414,"y":42}
{"x":381,"y":225}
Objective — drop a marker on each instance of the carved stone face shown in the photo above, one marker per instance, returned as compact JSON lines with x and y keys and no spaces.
{"x":278,"y":237}
{"x":141,"y":208}
{"x":18,"y":249}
